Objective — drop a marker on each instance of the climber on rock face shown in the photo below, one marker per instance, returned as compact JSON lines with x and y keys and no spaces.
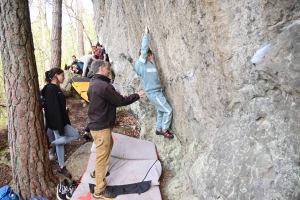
{"x":151,"y":83}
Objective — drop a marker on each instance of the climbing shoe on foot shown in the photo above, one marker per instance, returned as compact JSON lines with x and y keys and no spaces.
{"x":64,"y":171}
{"x":167,"y":134}
{"x":105,"y":194}
{"x":158,"y":132}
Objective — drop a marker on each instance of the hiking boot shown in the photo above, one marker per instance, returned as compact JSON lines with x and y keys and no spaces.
{"x":62,"y":189}
{"x":93,"y":174}
{"x":105,"y":194}
{"x":64,"y":171}
{"x":167,"y":134}
{"x":71,"y":190}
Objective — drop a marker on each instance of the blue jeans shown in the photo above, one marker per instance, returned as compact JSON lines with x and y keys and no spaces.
{"x":164,"y":110}
{"x":59,"y":142}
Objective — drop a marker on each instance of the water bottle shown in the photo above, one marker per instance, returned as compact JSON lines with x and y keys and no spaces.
{"x":14,"y":197}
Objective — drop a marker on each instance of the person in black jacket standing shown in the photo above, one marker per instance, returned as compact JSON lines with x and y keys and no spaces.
{"x":57,"y":118}
{"x":104,"y":100}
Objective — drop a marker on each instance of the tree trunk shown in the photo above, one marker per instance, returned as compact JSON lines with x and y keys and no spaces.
{"x":56,"y":34}
{"x":72,"y":15}
{"x":80,"y":29}
{"x":32,"y":171}
{"x":42,"y":14}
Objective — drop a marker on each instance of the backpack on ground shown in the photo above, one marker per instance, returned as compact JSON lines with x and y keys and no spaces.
{"x":7,"y":193}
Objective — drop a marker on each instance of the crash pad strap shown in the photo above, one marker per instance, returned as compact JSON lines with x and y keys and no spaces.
{"x":134,"y":188}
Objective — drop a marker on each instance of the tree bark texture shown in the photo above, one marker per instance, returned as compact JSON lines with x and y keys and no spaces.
{"x":32,"y":171}
{"x":56,"y":34}
{"x":80,"y":29}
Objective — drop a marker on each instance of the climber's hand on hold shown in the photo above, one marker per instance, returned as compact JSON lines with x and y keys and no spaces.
{"x":146,"y":30}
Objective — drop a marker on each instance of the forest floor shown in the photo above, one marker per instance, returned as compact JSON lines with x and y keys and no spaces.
{"x":125,"y":124}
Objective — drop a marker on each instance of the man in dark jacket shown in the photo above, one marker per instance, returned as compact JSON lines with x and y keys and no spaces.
{"x":104,"y":100}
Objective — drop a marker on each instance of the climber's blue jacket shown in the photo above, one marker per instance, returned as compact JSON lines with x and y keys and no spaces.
{"x":147,"y":70}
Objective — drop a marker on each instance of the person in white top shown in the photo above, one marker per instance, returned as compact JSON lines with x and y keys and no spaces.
{"x":83,"y":62}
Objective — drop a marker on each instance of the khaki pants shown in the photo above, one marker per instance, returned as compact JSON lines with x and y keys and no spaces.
{"x":104,"y":143}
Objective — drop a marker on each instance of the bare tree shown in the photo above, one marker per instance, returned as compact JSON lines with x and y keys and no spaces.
{"x":73,"y":15}
{"x":56,"y":33}
{"x":80,"y":29}
{"x":32,"y":171}
{"x":70,"y":13}
{"x":42,"y":15}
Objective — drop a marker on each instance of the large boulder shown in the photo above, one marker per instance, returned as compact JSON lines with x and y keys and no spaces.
{"x":230,"y":70}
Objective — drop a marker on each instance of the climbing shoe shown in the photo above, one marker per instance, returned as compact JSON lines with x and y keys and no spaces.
{"x":64,"y":171}
{"x":158,"y":132}
{"x":105,"y":194}
{"x":167,"y":134}
{"x":93,"y":174}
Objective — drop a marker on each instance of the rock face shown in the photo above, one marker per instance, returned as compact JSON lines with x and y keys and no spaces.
{"x":236,"y":101}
